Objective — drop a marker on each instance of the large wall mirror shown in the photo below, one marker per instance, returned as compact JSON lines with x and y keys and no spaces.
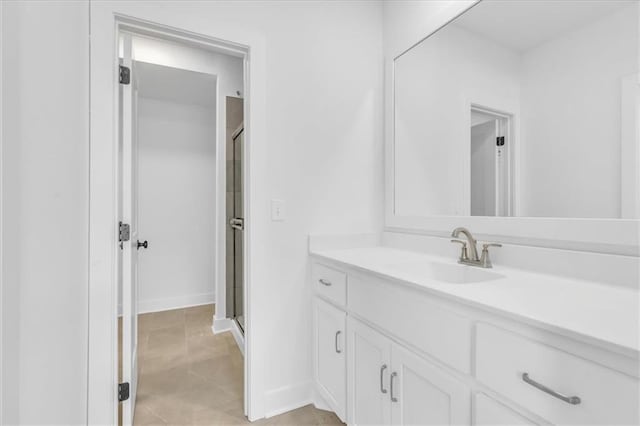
{"x":520,"y":108}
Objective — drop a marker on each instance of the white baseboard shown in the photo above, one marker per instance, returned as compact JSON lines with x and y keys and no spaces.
{"x":318,"y":400}
{"x":220,"y":325}
{"x":238,"y":336}
{"x":287,"y":398}
{"x":169,"y":303}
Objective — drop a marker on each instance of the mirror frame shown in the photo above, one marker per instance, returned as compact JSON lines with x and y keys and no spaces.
{"x":612,"y":236}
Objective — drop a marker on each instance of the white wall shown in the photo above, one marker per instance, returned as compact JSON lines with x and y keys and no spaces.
{"x":177,"y":171}
{"x":45,"y":54}
{"x":229,"y":71}
{"x":406,"y":22}
{"x":321,"y":152}
{"x":576,"y":144}
{"x":9,"y":214}
{"x":323,"y":156}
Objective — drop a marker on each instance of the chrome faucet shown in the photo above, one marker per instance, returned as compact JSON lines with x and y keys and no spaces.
{"x":473,"y":250}
{"x":469,"y":252}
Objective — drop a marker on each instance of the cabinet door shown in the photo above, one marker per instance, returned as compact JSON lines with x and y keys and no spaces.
{"x":330,"y":355}
{"x":489,"y":412}
{"x":369,"y":368}
{"x":424,"y":394}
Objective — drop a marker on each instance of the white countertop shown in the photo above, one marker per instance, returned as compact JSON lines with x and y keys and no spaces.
{"x":596,"y":313}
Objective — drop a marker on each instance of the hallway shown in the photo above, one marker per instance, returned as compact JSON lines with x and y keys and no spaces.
{"x":189,"y":376}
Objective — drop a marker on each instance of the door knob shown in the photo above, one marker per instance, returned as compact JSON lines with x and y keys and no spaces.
{"x":144,"y":244}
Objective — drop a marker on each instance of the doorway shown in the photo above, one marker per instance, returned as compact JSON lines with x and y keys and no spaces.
{"x":172,"y":133}
{"x":490,"y":161}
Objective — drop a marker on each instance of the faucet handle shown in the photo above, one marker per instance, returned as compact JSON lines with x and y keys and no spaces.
{"x":463,"y":252}
{"x":485,"y":262}
{"x":485,"y":246}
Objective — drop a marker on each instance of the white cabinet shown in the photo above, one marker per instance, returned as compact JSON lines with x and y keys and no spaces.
{"x":388,"y":384}
{"x":401,"y":311}
{"x":330,"y":347}
{"x":368,"y":382}
{"x":365,"y":373}
{"x":557,"y":386}
{"x":489,"y":412}
{"x":423,"y":394}
{"x":329,"y":283}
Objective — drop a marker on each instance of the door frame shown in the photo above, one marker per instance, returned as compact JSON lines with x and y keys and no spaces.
{"x":511,"y":141}
{"x":102,"y":407}
{"x":506,"y":123}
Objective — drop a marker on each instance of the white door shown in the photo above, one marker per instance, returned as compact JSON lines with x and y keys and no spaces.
{"x":330,"y":356}
{"x":129,"y":206}
{"x":423,"y":394}
{"x":369,"y":371}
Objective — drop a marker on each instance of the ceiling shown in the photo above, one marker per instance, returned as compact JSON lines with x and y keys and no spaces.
{"x":524,"y":24}
{"x":175,"y":84}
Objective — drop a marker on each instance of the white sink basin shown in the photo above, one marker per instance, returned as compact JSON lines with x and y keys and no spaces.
{"x":445,"y":272}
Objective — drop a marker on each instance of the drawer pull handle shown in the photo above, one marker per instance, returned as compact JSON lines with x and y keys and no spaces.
{"x":324,"y":282}
{"x":393,"y":376}
{"x":573,"y":400}
{"x":337,"y":335}
{"x":382,"y":389}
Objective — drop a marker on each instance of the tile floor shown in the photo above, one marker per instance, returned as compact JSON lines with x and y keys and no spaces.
{"x":189,"y":376}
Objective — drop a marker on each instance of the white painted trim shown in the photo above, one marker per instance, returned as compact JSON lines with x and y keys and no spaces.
{"x":224,"y":325}
{"x":610,"y":236}
{"x":318,"y":400}
{"x":221,"y":325}
{"x":509,"y":114}
{"x":171,"y":303}
{"x":614,"y":236}
{"x":237,"y":336}
{"x":629,"y":152}
{"x":106,"y":21}
{"x":287,"y":398}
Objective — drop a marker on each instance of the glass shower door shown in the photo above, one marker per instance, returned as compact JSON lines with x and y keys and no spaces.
{"x":235,"y":212}
{"x":238,"y":245}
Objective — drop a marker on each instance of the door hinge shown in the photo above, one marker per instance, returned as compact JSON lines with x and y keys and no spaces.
{"x":123,"y":391}
{"x":500,"y":141}
{"x":125,"y":75}
{"x":124,"y":232}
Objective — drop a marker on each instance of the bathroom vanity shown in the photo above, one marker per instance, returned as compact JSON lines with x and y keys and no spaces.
{"x":404,"y":337}
{"x":517,"y":120}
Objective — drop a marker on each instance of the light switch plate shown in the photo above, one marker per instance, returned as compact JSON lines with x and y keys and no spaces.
{"x":277,"y":210}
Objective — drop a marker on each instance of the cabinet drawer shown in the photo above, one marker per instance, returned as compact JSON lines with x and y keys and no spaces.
{"x":491,"y":413}
{"x":330,"y":283}
{"x":503,"y":358}
{"x":415,"y":318}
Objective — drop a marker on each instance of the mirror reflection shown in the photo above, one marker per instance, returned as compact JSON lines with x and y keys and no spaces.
{"x":525,"y":108}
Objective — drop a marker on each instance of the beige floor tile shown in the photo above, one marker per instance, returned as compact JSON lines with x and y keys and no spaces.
{"x":166,"y":319}
{"x":198,"y":321}
{"x":169,"y":341}
{"x":189,"y":376}
{"x":168,"y":408}
{"x":206,"y":347}
{"x":145,"y":417}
